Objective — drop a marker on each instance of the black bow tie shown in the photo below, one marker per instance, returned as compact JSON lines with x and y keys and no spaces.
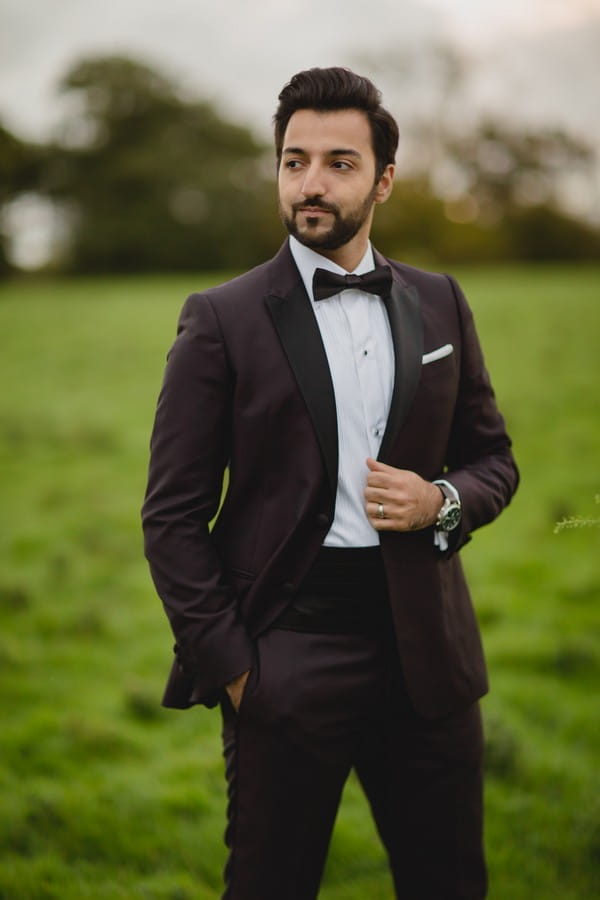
{"x":377,"y":281}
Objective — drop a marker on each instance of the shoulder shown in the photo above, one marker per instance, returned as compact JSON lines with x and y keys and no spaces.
{"x":238,"y":304}
{"x":432,"y":287}
{"x":242,"y":287}
{"x":253,"y":285}
{"x":421,"y":278}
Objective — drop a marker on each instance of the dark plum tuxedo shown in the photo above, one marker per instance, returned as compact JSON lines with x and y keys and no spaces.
{"x":247,"y":387}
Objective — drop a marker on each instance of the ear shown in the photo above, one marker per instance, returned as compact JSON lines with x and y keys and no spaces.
{"x":385,"y":184}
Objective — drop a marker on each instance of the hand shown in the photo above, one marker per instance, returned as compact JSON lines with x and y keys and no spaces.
{"x":235,"y":689}
{"x":409,"y":502}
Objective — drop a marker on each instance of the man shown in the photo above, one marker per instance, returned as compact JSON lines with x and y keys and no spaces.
{"x":326,"y":610}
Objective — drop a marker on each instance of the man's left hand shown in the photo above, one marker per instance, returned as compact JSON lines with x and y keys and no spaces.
{"x":408,"y":501}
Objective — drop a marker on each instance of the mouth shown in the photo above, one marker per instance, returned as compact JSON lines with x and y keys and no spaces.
{"x":314,"y":211}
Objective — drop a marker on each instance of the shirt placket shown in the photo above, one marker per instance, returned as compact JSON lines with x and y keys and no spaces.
{"x":367,"y":366}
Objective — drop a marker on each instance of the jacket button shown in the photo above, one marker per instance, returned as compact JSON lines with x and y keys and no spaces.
{"x":323,"y":519}
{"x":289,"y":587}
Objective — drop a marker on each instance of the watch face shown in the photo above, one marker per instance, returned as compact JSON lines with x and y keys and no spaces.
{"x":451,"y":518}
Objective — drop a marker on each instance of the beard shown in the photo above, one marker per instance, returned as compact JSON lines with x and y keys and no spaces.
{"x":342,"y":230}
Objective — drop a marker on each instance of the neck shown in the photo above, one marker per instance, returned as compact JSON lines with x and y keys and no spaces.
{"x":349,"y":255}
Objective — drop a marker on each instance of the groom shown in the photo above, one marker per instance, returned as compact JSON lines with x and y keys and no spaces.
{"x":326,"y":610}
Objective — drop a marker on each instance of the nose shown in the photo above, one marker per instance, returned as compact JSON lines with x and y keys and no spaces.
{"x":313,"y":184}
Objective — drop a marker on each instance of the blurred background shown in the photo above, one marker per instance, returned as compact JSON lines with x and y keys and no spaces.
{"x":136,"y":136}
{"x":136,"y":166}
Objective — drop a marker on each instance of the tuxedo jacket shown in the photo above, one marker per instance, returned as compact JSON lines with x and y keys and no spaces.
{"x":247,"y":389}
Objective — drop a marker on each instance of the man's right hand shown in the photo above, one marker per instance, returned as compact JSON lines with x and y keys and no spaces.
{"x":235,"y":689}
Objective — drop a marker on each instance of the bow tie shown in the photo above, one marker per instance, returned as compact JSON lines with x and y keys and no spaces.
{"x":377,"y":281}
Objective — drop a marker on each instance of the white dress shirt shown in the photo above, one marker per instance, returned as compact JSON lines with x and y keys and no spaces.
{"x":356,"y":334}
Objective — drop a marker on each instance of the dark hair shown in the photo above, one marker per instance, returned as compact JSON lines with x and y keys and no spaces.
{"x":334,"y":89}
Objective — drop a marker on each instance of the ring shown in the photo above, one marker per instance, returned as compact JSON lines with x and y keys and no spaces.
{"x":380,"y":511}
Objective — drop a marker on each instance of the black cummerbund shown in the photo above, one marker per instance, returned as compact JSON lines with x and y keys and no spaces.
{"x":344,"y":591}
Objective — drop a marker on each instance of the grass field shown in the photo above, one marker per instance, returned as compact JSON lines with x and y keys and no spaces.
{"x":104,"y":794}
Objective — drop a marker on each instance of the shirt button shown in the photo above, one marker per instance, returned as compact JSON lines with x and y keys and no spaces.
{"x":323,"y":519}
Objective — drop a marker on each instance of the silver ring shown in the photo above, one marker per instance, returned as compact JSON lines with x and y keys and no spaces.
{"x":380,"y":511}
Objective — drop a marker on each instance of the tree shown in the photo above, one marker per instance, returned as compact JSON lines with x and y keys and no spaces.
{"x":478,"y":187}
{"x":150,"y":180}
{"x":505,"y":169}
{"x":20,"y":166}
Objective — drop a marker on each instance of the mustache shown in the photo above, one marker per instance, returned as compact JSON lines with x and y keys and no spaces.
{"x":316,"y":203}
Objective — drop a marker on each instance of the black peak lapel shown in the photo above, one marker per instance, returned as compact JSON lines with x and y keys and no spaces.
{"x":404,"y":312}
{"x":300,"y":337}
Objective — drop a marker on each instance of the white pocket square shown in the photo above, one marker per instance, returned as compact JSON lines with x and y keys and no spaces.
{"x":440,"y":353}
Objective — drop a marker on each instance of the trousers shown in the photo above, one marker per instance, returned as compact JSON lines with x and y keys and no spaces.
{"x":317,"y":705}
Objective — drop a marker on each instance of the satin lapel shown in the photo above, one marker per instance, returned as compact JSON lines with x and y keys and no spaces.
{"x":404,"y":312}
{"x":301,"y":339}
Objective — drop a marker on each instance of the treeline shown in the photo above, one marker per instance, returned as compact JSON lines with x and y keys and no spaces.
{"x":143,"y":178}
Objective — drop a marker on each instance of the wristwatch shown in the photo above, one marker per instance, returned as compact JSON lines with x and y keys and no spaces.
{"x":450,"y":514}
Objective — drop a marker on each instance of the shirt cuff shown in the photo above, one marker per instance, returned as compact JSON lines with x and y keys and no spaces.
{"x":440,"y":540}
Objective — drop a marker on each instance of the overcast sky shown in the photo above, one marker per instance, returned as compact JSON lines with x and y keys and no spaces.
{"x":536,"y":59}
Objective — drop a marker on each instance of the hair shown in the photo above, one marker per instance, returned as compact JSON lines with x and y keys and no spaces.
{"x":333,"y":89}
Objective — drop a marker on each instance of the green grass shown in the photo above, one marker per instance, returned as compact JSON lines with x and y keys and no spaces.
{"x":106,"y":795}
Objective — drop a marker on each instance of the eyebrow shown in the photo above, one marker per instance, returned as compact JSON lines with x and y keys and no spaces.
{"x":337,"y":151}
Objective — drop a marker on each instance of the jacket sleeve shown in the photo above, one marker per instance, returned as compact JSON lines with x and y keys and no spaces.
{"x":189,"y":452}
{"x":479,"y":460}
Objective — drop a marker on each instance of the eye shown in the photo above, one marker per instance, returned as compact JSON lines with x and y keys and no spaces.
{"x":341,"y":164}
{"x":293,"y":164}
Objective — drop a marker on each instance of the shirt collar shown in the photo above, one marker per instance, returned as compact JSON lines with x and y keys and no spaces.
{"x":308,"y":260}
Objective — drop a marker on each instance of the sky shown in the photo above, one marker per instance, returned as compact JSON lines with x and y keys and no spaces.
{"x":531,"y":59}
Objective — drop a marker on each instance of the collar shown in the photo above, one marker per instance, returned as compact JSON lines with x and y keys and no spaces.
{"x":308,"y":260}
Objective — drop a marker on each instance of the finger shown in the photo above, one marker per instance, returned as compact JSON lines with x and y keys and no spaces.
{"x":375,"y":495}
{"x":384,"y":525}
{"x":376,"y":466}
{"x":378,"y":479}
{"x":374,"y":511}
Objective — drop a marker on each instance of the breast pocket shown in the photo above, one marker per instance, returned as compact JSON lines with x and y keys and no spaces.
{"x":432,"y":410}
{"x":444,"y":366}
